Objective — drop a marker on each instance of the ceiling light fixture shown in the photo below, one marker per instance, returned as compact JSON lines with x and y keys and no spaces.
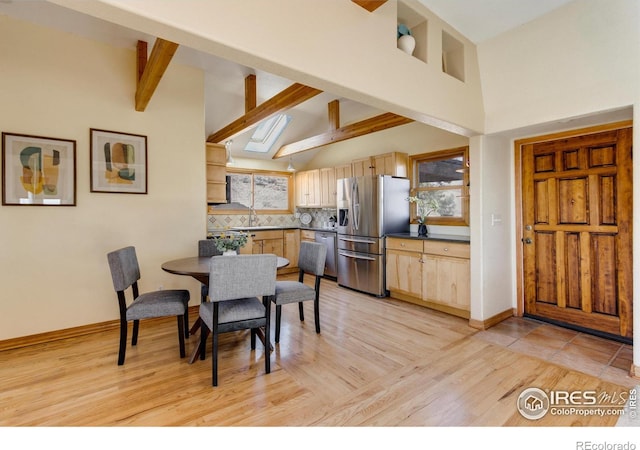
{"x":227,"y":146}
{"x":290,"y":167}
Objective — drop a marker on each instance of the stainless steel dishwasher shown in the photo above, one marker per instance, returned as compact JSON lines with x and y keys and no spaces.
{"x":328,"y":238}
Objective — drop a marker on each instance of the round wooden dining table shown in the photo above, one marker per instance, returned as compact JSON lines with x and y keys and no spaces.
{"x":198,"y":268}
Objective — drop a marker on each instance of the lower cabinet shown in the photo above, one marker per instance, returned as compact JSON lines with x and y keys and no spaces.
{"x":291,"y":250}
{"x":284,"y":243}
{"x":430,"y":273}
{"x":308,"y":235}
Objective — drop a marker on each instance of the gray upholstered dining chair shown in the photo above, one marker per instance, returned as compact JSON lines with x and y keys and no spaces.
{"x":311,"y":261}
{"x":125,"y":273}
{"x":235,"y":285}
{"x":206,"y":247}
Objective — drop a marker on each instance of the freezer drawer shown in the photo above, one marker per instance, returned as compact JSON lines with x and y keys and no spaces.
{"x":360,"y":244}
{"x":361,"y":271}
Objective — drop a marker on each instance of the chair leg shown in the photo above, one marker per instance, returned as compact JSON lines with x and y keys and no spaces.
{"x":253,"y":338}
{"x":214,"y":351}
{"x":185,"y":319}
{"x":316,"y":313}
{"x":301,"y":310}
{"x":204,"y":333}
{"x":267,"y":335}
{"x":181,"y":335}
{"x":316,"y":303}
{"x":278,"y":317}
{"x":123,"y":342}
{"x":134,"y":337}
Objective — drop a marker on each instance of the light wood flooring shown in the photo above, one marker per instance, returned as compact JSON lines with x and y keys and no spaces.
{"x":377,"y":362}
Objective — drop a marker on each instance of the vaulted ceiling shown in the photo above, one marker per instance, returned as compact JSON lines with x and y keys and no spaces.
{"x":317,"y":119}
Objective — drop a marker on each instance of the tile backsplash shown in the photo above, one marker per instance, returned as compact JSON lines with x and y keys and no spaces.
{"x":220,"y":221}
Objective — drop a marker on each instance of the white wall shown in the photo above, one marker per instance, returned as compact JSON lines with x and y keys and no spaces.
{"x":491,"y":231}
{"x":53,"y":267}
{"x":577,"y":60}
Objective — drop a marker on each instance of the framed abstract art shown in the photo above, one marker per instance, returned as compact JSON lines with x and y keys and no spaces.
{"x":38,"y":170}
{"x":118,"y":162}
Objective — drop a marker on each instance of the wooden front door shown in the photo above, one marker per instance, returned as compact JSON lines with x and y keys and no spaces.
{"x":577,"y":212}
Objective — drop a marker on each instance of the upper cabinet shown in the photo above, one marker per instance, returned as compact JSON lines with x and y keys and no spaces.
{"x":317,"y":188}
{"x":308,"y":188}
{"x":343,"y":171}
{"x":394,"y":164}
{"x":216,"y":173}
{"x":328,"y":187}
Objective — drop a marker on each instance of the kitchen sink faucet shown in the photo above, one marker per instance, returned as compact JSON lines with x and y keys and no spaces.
{"x":253,"y":215}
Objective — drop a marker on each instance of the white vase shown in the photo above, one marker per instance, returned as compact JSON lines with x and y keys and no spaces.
{"x":229,"y":253}
{"x":407,"y":43}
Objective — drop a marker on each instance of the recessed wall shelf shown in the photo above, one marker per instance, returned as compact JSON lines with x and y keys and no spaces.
{"x":418,"y":26}
{"x":452,"y":56}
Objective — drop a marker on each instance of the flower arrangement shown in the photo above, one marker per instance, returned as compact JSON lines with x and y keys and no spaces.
{"x":230,"y":241}
{"x":424,"y":207}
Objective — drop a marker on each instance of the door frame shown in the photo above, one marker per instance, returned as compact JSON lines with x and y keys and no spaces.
{"x":517,"y":146}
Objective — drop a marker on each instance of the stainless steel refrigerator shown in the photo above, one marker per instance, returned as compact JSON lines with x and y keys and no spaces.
{"x":369,"y":208}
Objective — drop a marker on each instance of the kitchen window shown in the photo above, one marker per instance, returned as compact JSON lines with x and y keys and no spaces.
{"x":266,"y":192}
{"x":442,"y":179}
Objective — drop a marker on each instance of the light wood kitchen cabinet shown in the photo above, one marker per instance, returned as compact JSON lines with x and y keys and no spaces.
{"x":291,"y":249}
{"x":431,"y":273}
{"x":308,"y":188}
{"x":216,"y":173}
{"x":404,"y":267}
{"x":308,"y":235}
{"x":394,"y":164}
{"x":361,"y":167}
{"x":343,"y":171}
{"x":269,"y":241}
{"x":283,"y":242}
{"x":328,"y":187}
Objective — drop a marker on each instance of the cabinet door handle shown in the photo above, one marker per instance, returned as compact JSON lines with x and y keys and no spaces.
{"x":402,"y":244}
{"x":446,"y":249}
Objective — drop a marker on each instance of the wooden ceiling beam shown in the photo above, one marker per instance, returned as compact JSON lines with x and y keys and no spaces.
{"x":250,"y":93}
{"x":286,"y":99}
{"x":334,"y":115}
{"x":367,"y":126}
{"x":370,"y":5}
{"x":150,"y":71}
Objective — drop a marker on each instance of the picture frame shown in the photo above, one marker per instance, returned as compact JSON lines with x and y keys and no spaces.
{"x":38,"y":170}
{"x":118,"y":162}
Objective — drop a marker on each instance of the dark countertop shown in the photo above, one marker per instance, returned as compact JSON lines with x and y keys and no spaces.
{"x":432,"y":237}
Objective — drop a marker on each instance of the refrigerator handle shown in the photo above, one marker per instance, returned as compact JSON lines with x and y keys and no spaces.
{"x":355,"y":203}
{"x":362,"y":241}
{"x":348,"y":255}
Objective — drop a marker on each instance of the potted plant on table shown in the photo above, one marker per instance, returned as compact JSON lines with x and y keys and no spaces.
{"x":230,"y":243}
{"x":424,"y":207}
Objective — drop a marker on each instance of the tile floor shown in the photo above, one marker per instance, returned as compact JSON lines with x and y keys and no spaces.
{"x":606,"y":359}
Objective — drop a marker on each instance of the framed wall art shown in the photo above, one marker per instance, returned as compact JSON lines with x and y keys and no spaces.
{"x":118,"y":162}
{"x":38,"y":170}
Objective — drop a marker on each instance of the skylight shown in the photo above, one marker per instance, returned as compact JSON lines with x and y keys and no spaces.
{"x":267,"y":133}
